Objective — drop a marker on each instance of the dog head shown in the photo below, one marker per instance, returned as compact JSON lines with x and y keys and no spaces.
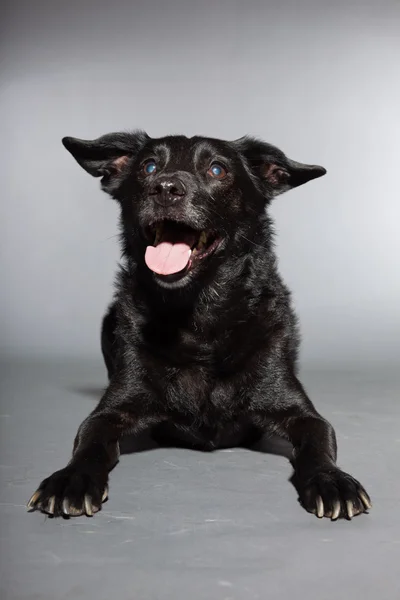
{"x":186,"y":203}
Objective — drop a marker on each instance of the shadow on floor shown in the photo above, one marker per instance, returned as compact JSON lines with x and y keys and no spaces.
{"x":131,"y":444}
{"x":143,"y":442}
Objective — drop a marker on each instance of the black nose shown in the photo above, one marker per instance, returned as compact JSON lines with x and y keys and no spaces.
{"x":167,"y":190}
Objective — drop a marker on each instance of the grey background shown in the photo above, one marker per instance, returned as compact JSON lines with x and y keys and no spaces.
{"x":319,"y":79}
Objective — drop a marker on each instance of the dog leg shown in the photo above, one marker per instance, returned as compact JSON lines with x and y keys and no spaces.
{"x":323,"y":488}
{"x":109,"y":340}
{"x":81,"y":487}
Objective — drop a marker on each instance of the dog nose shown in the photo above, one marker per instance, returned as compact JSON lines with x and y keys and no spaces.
{"x":168,"y":190}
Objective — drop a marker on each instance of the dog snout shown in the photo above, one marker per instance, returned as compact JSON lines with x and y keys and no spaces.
{"x":168,"y":190}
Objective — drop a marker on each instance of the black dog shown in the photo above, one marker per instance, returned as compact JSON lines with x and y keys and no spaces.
{"x":201,"y":341}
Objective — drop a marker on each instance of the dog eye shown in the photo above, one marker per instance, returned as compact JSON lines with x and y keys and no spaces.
{"x":217,"y":171}
{"x":149,"y":167}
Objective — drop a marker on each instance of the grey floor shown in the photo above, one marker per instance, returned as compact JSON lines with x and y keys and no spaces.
{"x":182,"y":524}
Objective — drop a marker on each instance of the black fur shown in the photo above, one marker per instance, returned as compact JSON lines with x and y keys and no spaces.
{"x":205,"y":357}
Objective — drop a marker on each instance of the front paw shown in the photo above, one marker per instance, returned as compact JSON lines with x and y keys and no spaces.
{"x":70,"y":492}
{"x":334,"y":494}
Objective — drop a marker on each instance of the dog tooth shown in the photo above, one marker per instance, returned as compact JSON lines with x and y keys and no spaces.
{"x":202,"y":241}
{"x":203,"y":238}
{"x":158,"y":234}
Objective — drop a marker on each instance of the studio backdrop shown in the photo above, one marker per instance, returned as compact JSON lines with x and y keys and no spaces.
{"x":318,"y":79}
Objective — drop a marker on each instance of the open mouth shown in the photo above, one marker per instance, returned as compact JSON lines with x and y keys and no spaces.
{"x":177,"y":248}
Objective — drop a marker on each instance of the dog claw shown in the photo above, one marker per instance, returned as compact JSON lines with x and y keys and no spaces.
{"x":336,"y":511}
{"x":65,"y":507}
{"x":320,"y":507}
{"x":70,"y":492}
{"x":33,"y":500}
{"x":365,"y":500}
{"x":51,"y":505}
{"x":350,"y":509}
{"x":335,"y":494}
{"x":88,"y":506}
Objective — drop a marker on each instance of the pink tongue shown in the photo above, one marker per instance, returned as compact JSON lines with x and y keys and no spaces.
{"x":167,"y":258}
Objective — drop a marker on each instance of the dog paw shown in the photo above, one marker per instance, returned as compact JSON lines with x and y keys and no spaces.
{"x":334,"y":494}
{"x":70,"y":492}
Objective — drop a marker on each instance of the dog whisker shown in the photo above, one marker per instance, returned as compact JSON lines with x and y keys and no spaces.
{"x":238,"y":232}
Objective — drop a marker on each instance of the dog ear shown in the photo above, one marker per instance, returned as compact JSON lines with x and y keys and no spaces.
{"x":106,"y":155}
{"x":277,"y":172}
{"x":285,"y":175}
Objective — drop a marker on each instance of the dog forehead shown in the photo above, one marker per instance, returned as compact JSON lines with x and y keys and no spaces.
{"x":179,"y":149}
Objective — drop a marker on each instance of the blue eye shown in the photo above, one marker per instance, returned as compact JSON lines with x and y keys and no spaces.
{"x":150,"y":167}
{"x":217,"y":171}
